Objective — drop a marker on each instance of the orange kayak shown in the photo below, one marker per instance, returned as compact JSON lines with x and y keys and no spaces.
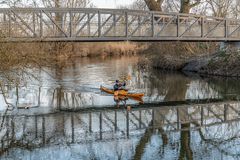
{"x":121,"y":93}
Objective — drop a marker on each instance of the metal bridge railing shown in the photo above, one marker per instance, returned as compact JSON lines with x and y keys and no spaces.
{"x":82,"y":24}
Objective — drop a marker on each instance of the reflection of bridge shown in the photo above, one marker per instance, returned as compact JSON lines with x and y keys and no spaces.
{"x":68,"y":24}
{"x":106,"y":125}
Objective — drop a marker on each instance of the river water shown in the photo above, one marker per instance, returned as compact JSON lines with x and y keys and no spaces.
{"x":64,"y":115}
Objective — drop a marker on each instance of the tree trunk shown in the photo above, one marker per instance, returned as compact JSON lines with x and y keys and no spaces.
{"x":186,"y":5}
{"x":154,"y":5}
{"x":58,"y":16}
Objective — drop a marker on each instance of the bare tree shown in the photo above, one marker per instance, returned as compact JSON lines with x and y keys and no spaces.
{"x":184,"y":6}
{"x":236,"y":9}
{"x":171,"y":6}
{"x":11,"y":3}
{"x":187,"y":5}
{"x":221,"y":8}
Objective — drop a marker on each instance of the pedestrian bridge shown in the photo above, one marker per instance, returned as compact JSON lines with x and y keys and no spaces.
{"x":96,"y":25}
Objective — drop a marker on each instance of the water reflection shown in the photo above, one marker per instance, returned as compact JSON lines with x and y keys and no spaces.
{"x":184,"y":132}
{"x":77,"y":85}
{"x":37,"y":127}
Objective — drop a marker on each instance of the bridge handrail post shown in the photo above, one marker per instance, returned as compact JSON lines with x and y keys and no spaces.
{"x":226,"y":28}
{"x":9,"y":24}
{"x":88,"y":25}
{"x":70,"y":23}
{"x":99,"y":24}
{"x":114,"y":25}
{"x":153,"y":24}
{"x":34,"y":23}
{"x":202,"y":26}
{"x":178,"y":22}
{"x":126,"y":27}
{"x":41,"y":24}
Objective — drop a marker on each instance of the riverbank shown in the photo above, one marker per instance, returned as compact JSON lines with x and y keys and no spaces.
{"x":174,"y":55}
{"x":202,"y":58}
{"x":225,"y":63}
{"x":17,"y":58}
{"x":67,"y":50}
{"x":104,"y":49}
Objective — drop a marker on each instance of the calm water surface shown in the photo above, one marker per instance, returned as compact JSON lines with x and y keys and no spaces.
{"x":45,"y":131}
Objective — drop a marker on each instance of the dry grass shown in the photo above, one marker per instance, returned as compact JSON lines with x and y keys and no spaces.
{"x":16,"y":58}
{"x":45,"y":54}
{"x":106,"y":49}
{"x":174,"y":55}
{"x":226,"y":63}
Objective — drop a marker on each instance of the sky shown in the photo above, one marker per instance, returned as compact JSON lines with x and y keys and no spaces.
{"x":111,"y":3}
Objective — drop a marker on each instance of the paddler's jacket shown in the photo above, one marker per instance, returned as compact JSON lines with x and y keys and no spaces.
{"x":116,"y":86}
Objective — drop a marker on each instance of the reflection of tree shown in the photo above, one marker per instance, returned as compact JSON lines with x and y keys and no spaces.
{"x":217,"y":142}
{"x":185,"y":137}
{"x":174,"y":87}
{"x":225,"y":86}
{"x":139,"y":150}
{"x":60,"y":95}
{"x":185,"y":140}
{"x":9,"y":106}
{"x":17,"y":144}
{"x":157,"y":121}
{"x":171,"y":85}
{"x":9,"y":141}
{"x":142,"y":144}
{"x":157,"y":82}
{"x":177,"y":88}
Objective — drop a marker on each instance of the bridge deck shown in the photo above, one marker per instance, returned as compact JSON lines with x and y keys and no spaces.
{"x":81,"y":24}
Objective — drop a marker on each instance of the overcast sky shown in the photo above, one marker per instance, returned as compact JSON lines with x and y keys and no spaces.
{"x":111,"y":3}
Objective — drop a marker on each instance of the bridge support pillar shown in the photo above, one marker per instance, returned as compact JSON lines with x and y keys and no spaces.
{"x":227,"y":45}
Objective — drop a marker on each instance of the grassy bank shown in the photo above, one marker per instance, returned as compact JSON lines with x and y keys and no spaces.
{"x":21,"y":55}
{"x":107,"y":49}
{"x":225,"y":63}
{"x":174,"y":55}
{"x":65,"y":50}
{"x":18,"y":57}
{"x":203,"y":58}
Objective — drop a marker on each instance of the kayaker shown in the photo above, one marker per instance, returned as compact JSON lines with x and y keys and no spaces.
{"x":118,"y":86}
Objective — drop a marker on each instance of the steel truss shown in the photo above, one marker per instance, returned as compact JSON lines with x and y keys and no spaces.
{"x":82,"y":24}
